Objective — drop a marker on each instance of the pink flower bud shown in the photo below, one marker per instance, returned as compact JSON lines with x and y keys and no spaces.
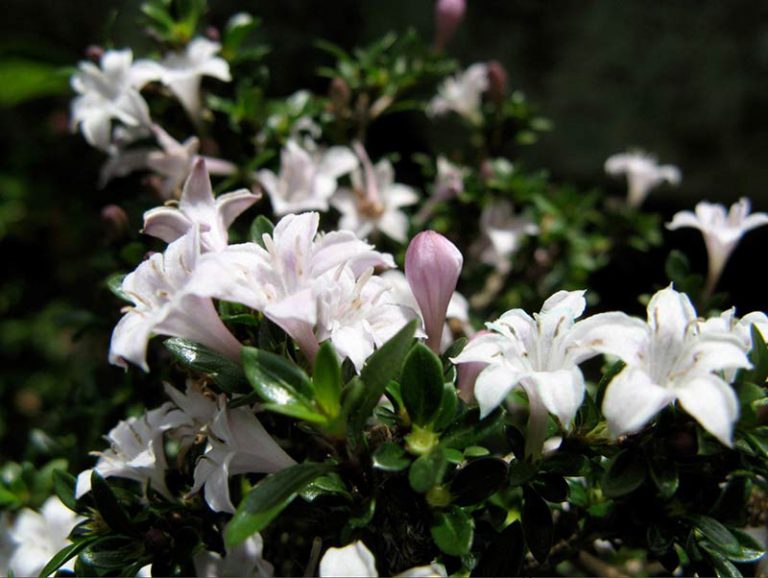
{"x":115,"y":221}
{"x":448,"y":16}
{"x":94,"y":52}
{"x":497,"y":81}
{"x":467,"y":374}
{"x":432,"y":268}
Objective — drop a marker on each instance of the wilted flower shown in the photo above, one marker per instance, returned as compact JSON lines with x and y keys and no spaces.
{"x":199,"y":208}
{"x":669,"y":358}
{"x":164,"y":305}
{"x":183,"y":71}
{"x":432,"y":268}
{"x":356,"y":559}
{"x":539,"y":354}
{"x":721,"y":231}
{"x":280,"y":278}
{"x":237,"y":444}
{"x":448,"y":16}
{"x":307,"y":178}
{"x":136,"y":451}
{"x":242,"y":560}
{"x":643,"y":174}
{"x":375,"y":200}
{"x":503,"y":233}
{"x":39,"y":536}
{"x":106,"y":93}
{"x":462,"y":94}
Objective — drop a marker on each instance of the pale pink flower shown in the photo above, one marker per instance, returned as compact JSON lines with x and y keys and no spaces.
{"x":643,"y":174}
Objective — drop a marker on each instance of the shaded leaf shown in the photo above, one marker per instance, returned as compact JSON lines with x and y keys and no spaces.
{"x":453,"y":531}
{"x":224,"y":372}
{"x":538,"y":528}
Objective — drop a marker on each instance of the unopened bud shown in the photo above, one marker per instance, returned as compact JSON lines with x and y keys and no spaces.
{"x":94,"y":52}
{"x":448,"y":16}
{"x":432,"y":268}
{"x":115,"y":221}
{"x":213,"y":33}
{"x":497,"y":81}
{"x":339,"y":92}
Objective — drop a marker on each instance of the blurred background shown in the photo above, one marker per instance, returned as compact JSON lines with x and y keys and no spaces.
{"x":686,"y":80}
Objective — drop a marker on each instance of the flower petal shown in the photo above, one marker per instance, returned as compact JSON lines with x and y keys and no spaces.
{"x":632,"y":399}
{"x":713,"y":403}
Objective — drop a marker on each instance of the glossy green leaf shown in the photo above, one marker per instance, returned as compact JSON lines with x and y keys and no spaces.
{"x":224,"y":372}
{"x":470,"y":430}
{"x":538,"y":527}
{"x":453,"y":532}
{"x":664,"y":475}
{"x":66,"y":553}
{"x":449,"y":403}
{"x":478,"y":480}
{"x":427,"y":471}
{"x":390,"y":457}
{"x":421,"y":384}
{"x":115,"y":285}
{"x":625,"y":473}
{"x":108,"y":506}
{"x":259,"y":227}
{"x":327,"y":379}
{"x":268,"y":498}
{"x":64,"y":485}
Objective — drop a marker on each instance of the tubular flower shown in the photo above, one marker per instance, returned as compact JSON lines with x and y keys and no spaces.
{"x":357,"y":560}
{"x":643,"y":174}
{"x":504,"y":233}
{"x":721,"y":231}
{"x":462,"y":94}
{"x":163,"y":304}
{"x":199,"y":208}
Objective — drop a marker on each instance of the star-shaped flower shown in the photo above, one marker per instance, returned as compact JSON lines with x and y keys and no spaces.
{"x":199,"y":208}
{"x":107,"y":93}
{"x":462,"y":94}
{"x":721,"y":230}
{"x":164,"y":305}
{"x":669,"y":358}
{"x":307,"y":179}
{"x":375,"y":200}
{"x":643,"y":174}
{"x":503,"y":234}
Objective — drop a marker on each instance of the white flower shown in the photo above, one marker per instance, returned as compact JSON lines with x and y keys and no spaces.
{"x":159,"y":288}
{"x":196,"y":411}
{"x":458,"y":307}
{"x":183,"y":71}
{"x":199,"y":208}
{"x":279,"y":279}
{"x":356,"y":560}
{"x":307,"y":178}
{"x":357,"y":314}
{"x":375,"y":200}
{"x":503,"y":233}
{"x":728,"y":323}
{"x":462,"y":94}
{"x":539,"y":354}
{"x":106,"y":93}
{"x":643,"y":174}
{"x":669,"y":358}
{"x":39,"y":536}
{"x":136,"y":450}
{"x":242,"y":560}
{"x":237,"y":444}
{"x":721,"y":231}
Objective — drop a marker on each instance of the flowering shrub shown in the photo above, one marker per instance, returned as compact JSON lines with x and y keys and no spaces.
{"x":329,"y":414}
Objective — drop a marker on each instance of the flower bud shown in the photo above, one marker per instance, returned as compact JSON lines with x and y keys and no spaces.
{"x":467,"y":374}
{"x":448,"y":16}
{"x":115,"y":221}
{"x":497,"y":81}
{"x":94,"y":52}
{"x":432,"y":268}
{"x":212,"y":33}
{"x":339,"y":93}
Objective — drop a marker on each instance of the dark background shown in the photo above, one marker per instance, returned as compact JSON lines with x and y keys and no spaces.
{"x":685,"y":79}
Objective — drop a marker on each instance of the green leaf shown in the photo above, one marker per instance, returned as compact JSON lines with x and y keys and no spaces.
{"x":625,"y":473}
{"x":759,"y":358}
{"x":383,"y":366}
{"x":327,"y":484}
{"x":453,"y":532}
{"x":327,"y":379}
{"x":421,"y":384}
{"x":552,"y":487}
{"x":478,"y":480}
{"x":108,"y":506}
{"x":521,"y":471}
{"x":664,"y":475}
{"x":470,"y":430}
{"x":24,"y":79}
{"x":224,"y":372}
{"x":284,"y":386}
{"x":427,"y":471}
{"x":259,"y":227}
{"x":268,"y":498}
{"x":750,"y":550}
{"x":64,"y":485}
{"x":115,"y":285}
{"x":718,"y":535}
{"x":449,"y":403}
{"x":390,"y":457}
{"x":66,"y":553}
{"x":537,"y":522}
{"x":608,"y":376}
